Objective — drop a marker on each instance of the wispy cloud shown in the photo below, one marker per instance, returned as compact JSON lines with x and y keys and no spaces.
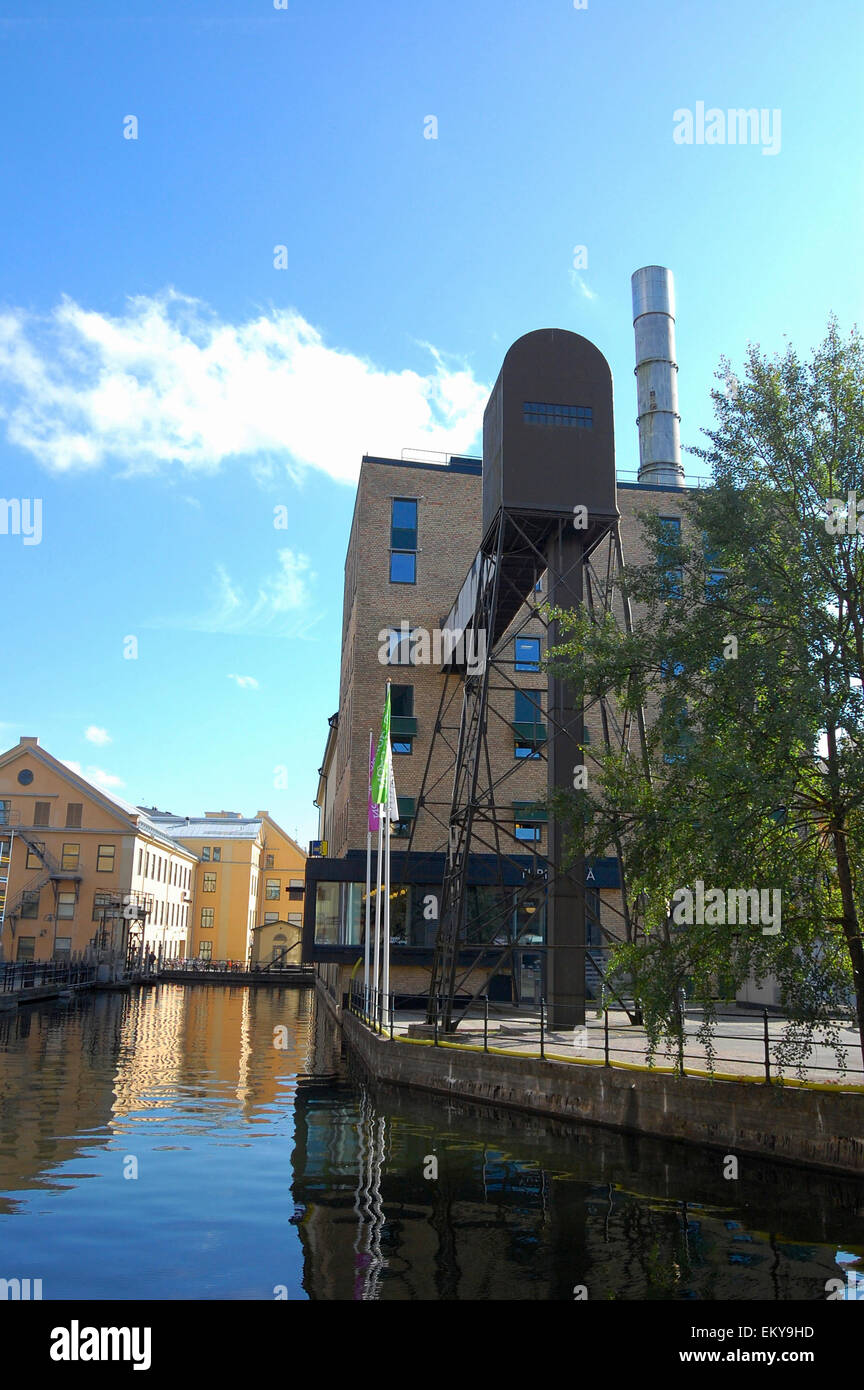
{"x":96,"y":735}
{"x":168,"y":385}
{"x":94,"y":774}
{"x":282,"y":605}
{"x":581,"y":284}
{"x":245,"y":682}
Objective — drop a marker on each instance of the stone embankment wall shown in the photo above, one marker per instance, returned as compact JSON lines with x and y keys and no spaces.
{"x":805,"y":1126}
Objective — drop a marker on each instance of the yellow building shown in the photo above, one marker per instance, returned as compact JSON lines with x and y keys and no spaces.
{"x":248,"y":889}
{"x":281,"y":888}
{"x":73,"y":855}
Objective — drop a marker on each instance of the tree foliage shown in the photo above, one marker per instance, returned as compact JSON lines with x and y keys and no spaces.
{"x":747,"y":653}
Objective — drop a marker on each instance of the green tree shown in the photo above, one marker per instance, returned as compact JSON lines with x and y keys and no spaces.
{"x":747,"y":652}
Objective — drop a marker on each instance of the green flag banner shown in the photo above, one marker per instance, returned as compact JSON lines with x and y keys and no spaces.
{"x":382,"y":767}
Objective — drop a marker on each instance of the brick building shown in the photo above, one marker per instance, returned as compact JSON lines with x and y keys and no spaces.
{"x":400,"y":582}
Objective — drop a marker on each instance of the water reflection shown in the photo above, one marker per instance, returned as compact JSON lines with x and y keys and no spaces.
{"x":265,"y":1167}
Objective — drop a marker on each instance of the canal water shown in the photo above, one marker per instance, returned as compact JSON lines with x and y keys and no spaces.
{"x":198,"y":1142}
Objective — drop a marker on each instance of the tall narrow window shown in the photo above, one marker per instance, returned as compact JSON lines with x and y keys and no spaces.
{"x":403,"y":541}
{"x":670,"y":540}
{"x":42,"y":813}
{"x":105,"y":859}
{"x":73,"y":815}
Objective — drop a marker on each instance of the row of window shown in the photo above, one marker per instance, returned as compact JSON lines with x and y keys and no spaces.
{"x":542,"y":413}
{"x":162,"y":869}
{"x":208,"y":918}
{"x":70,"y":857}
{"x":402,"y":650}
{"x":26,"y":949}
{"x":42,"y":811}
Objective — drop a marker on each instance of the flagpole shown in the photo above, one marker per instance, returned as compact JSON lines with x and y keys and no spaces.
{"x":378,"y":915}
{"x":386,"y":989}
{"x":367,"y":945}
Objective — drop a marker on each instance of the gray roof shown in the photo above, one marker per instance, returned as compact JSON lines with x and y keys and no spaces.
{"x":211,"y":829}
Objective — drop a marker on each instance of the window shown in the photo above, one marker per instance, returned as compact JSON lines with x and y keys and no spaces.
{"x":527,"y":653}
{"x":140,"y":859}
{"x":217,"y":854}
{"x":5,"y":812}
{"x":269,"y":860}
{"x":30,"y":902}
{"x":523,"y":749}
{"x":205,"y":854}
{"x":210,"y":883}
{"x":403,"y":524}
{"x":205,"y":950}
{"x":70,"y":856}
{"x":403,"y":567}
{"x":526,"y":707}
{"x":73,"y":815}
{"x":398,"y":646}
{"x":65,"y":906}
{"x":539,"y":413}
{"x":42,"y":813}
{"x":26,"y":948}
{"x":528,"y":727}
{"x":147,"y":866}
{"x":401,"y":828}
{"x":272,"y":888}
{"x":62,"y":946}
{"x":105,"y":859}
{"x":296,"y":889}
{"x":403,"y":541}
{"x":208,"y":915}
{"x":270,"y":917}
{"x":670,"y":540}
{"x":34,"y":853}
{"x":402,"y":701}
{"x":295,"y":919}
{"x":526,"y":830}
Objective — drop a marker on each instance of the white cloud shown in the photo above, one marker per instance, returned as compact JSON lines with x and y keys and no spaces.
{"x":281,"y":607}
{"x":245,"y":682}
{"x":94,"y":774}
{"x":96,"y":735}
{"x":167,"y":385}
{"x":579,"y":283}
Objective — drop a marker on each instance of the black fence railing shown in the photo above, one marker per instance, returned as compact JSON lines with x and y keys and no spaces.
{"x":201,"y":965}
{"x":760,"y":1052}
{"x":16,"y":975}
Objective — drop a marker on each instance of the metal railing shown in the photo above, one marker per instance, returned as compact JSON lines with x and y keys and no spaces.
{"x":201,"y":965}
{"x":765,"y":1064}
{"x":17,"y":975}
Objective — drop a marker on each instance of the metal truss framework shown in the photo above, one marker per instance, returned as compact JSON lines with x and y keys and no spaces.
{"x":472,"y":816}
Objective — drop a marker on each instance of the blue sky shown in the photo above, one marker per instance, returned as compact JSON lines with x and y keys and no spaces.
{"x":164,"y":387}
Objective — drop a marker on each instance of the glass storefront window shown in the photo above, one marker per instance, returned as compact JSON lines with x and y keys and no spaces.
{"x":339,"y":913}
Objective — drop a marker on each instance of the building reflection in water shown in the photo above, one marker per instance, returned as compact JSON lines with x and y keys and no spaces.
{"x":266,"y":1165}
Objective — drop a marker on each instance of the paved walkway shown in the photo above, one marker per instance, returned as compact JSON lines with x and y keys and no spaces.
{"x":739,"y":1043}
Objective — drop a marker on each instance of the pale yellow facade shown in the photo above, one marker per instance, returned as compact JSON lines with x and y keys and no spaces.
{"x":72,"y":856}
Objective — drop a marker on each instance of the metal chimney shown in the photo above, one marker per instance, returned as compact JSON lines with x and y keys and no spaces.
{"x":657,"y":377}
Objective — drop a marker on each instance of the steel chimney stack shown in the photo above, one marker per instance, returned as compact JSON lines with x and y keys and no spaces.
{"x":657,"y":377}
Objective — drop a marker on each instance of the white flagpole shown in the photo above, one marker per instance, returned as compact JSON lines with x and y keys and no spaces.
{"x":378,"y":908}
{"x":386,"y":988}
{"x":367,"y":945}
